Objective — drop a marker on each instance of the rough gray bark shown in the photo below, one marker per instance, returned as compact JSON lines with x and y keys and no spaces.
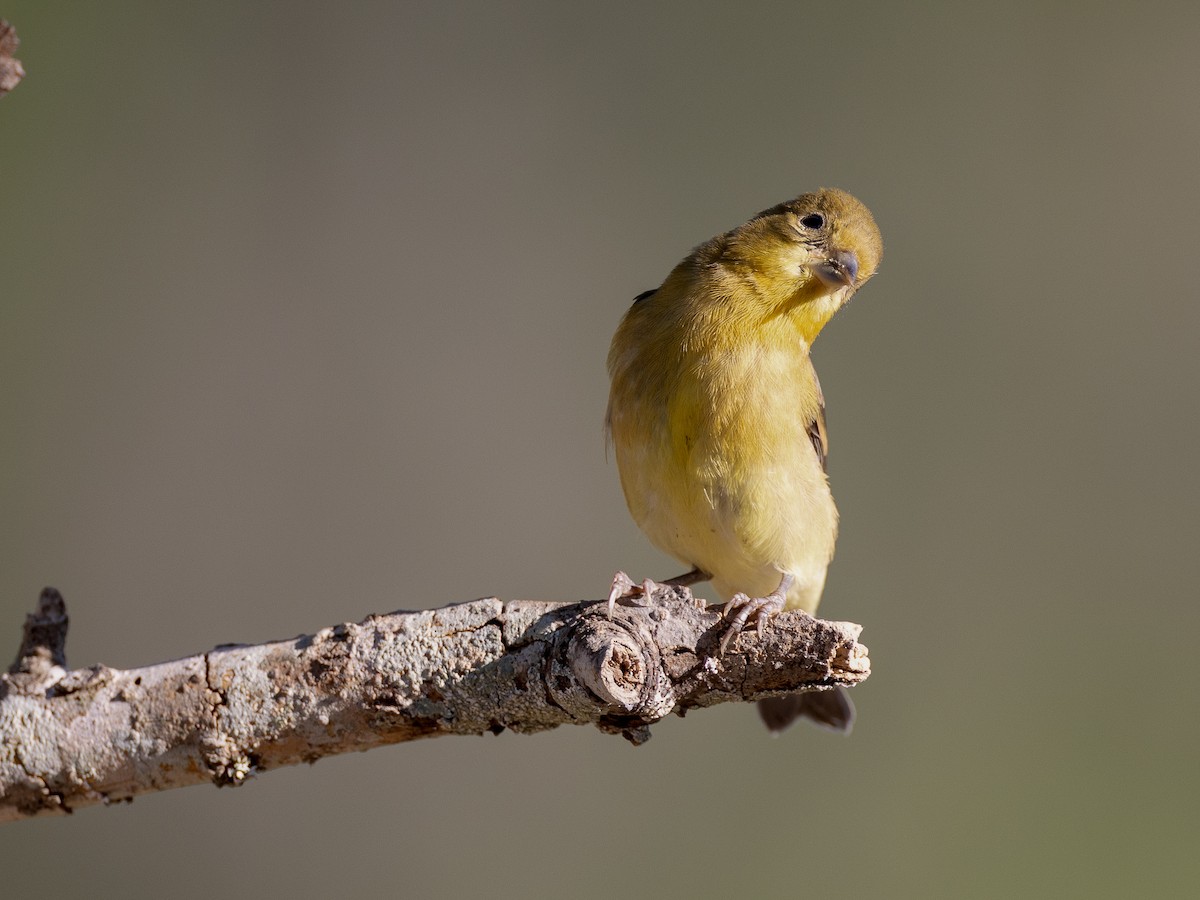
{"x":70,"y":739}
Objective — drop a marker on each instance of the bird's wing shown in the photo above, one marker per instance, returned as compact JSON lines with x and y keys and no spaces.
{"x":816,"y":430}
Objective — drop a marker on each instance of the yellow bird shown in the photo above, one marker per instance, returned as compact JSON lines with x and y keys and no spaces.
{"x":718,"y":421}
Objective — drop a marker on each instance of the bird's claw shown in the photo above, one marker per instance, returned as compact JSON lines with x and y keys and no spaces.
{"x":746,"y":610}
{"x":623,"y":586}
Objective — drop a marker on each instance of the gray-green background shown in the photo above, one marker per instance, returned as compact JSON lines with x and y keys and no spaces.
{"x":303,"y":317}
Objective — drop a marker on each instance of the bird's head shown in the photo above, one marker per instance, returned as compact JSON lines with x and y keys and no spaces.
{"x":808,"y":256}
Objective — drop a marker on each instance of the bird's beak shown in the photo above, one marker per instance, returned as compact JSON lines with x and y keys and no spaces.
{"x":838,"y":270}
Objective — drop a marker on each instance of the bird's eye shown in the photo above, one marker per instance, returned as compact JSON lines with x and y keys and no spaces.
{"x":813,"y":220}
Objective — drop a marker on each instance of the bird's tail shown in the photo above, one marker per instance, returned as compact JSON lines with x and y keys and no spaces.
{"x":830,"y":709}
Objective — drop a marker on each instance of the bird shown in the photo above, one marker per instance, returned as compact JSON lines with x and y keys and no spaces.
{"x":717,"y":419}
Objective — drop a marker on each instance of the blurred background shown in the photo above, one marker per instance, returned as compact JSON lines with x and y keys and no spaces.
{"x":303,"y":316}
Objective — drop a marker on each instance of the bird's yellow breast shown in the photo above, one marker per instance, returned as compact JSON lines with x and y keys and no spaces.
{"x":711,"y":439}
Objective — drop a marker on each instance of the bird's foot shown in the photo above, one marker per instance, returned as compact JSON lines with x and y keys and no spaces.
{"x":747,"y":609}
{"x":623,"y":586}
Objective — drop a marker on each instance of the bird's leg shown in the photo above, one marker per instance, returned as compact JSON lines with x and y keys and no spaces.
{"x":687,"y":579}
{"x":754,"y":609}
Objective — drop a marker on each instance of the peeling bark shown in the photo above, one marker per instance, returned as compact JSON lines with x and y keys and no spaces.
{"x":72,"y":738}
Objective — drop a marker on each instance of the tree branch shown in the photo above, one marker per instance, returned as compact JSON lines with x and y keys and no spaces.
{"x":70,"y":739}
{"x":11,"y":71}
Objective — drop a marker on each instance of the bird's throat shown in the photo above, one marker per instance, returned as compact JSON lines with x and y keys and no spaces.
{"x":810,"y":314}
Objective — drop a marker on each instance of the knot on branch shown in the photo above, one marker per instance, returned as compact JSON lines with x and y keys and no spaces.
{"x":614,"y":664}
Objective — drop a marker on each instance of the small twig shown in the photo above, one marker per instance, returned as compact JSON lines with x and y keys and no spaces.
{"x":44,"y":645}
{"x":73,"y":738}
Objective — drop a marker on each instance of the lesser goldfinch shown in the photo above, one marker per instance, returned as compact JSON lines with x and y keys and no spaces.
{"x":718,"y":422}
